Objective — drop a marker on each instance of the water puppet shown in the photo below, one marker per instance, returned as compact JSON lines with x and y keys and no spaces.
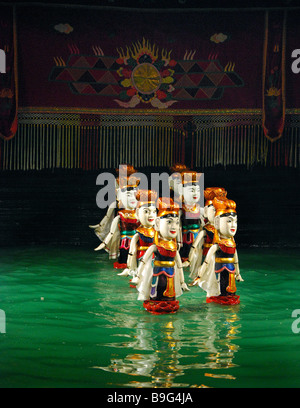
{"x":146,"y":214}
{"x":220,"y":270}
{"x":124,"y":225}
{"x":160,"y":286}
{"x":204,"y":239}
{"x":190,"y":212}
{"x":103,"y":228}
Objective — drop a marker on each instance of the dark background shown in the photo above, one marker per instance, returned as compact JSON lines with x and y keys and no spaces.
{"x":55,"y":208}
{"x":171,"y":3}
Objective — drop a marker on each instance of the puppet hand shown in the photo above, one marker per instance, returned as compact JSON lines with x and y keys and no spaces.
{"x":101,"y":246}
{"x":239,"y":278}
{"x":132,"y":272}
{"x":126,"y":272}
{"x":184,"y":287}
{"x":196,"y":281}
{"x":136,"y":280}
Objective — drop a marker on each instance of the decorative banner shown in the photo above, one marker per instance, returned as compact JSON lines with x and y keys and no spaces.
{"x":274,"y":75}
{"x":8,"y":79}
{"x":139,"y":61}
{"x":144,"y":74}
{"x":103,"y":86}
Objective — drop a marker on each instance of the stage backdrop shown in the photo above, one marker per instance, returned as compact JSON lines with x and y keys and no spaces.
{"x":100,"y":86}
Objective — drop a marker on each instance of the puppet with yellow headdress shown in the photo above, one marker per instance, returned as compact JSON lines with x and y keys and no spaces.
{"x":204,"y":239}
{"x":220,"y":270}
{"x":143,"y":239}
{"x":160,"y":285}
{"x":103,"y":228}
{"x":124,"y":225}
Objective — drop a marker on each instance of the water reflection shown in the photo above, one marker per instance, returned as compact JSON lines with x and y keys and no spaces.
{"x":191,"y":345}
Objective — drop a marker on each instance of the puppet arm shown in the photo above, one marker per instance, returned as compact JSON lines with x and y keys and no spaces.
{"x":237,"y":268}
{"x":110,"y":210}
{"x":179,"y":237}
{"x":198,"y":241}
{"x":131,"y":258}
{"x":202,"y":269}
{"x":113,"y":229}
{"x":180,"y":271}
{"x":148,"y":254}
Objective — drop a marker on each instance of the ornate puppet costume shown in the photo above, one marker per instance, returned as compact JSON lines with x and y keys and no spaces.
{"x":175,"y":185}
{"x":190,"y":212}
{"x":204,"y":240}
{"x":144,"y":237}
{"x":125,"y":223}
{"x":220,"y":269}
{"x":102,"y":229}
{"x":160,"y":285}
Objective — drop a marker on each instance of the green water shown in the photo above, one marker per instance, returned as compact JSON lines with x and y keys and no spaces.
{"x":72,"y":322}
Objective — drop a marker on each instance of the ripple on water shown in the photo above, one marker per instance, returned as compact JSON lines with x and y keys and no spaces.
{"x":71,"y":320}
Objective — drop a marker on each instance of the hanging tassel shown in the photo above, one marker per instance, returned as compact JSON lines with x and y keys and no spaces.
{"x":38,"y":146}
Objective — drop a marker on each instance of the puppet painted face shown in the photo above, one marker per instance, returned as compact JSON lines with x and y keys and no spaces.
{"x":209,"y":213}
{"x":128,"y":198}
{"x":191,"y":194}
{"x":146,"y":215}
{"x":227,"y":225}
{"x":168,"y":227}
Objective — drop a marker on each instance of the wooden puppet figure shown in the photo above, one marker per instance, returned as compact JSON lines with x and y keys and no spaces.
{"x":160,"y":285}
{"x":103,"y":228}
{"x":175,"y":181}
{"x":143,"y":239}
{"x":220,"y":270}
{"x":175,"y":185}
{"x":125,"y":223}
{"x":190,"y":212}
{"x":204,"y":239}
